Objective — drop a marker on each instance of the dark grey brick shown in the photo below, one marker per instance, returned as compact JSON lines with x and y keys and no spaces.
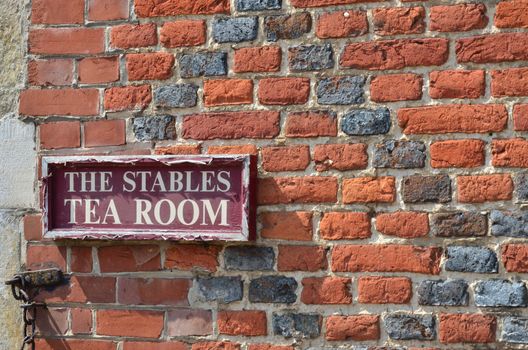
{"x":459,"y":224}
{"x":443,"y":293}
{"x":497,"y":293}
{"x":287,"y":26}
{"x":154,"y":128}
{"x":509,"y":224}
{"x":297,"y":325}
{"x":423,"y":189}
{"x":471,"y":259}
{"x":521,"y":186}
{"x":366,"y":122}
{"x":409,"y":327}
{"x":203,"y":64}
{"x":235,"y":29}
{"x":247,"y":258}
{"x":273,"y":289}
{"x":258,"y":5}
{"x":399,"y":154}
{"x":220,"y":289}
{"x":174,"y":96}
{"x":341,"y":90}
{"x":515,"y":330}
{"x":310,"y":57}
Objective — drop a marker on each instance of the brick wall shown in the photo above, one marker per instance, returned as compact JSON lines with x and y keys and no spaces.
{"x":390,"y":139}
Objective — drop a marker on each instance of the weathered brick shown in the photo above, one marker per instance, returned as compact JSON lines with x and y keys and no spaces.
{"x":395,"y":54}
{"x":369,"y":190}
{"x":355,"y":327}
{"x":33,"y":227}
{"x":326,"y":290}
{"x":127,"y":97}
{"x":154,"y":345}
{"x":521,"y":186}
{"x":257,"y":59}
{"x":359,"y":122}
{"x":457,"y":84}
{"x":453,"y":119}
{"x":310,"y":57}
{"x":107,"y":10}
{"x":247,"y":258}
{"x":235,"y":30}
{"x":287,"y":26}
{"x":231,"y":125}
{"x":386,"y":258}
{"x":78,"y":344}
{"x":44,"y":257}
{"x":396,"y":87}
{"x":220,"y":345}
{"x":147,"y":8}
{"x":520,"y":117}
{"x":219,"y":92}
{"x":154,"y":128}
{"x":515,"y":257}
{"x":404,"y":224}
{"x":423,"y":189}
{"x":467,"y":328}
{"x":471,"y":259}
{"x":341,"y":24}
{"x":500,"y":293}
{"x":286,"y":225}
{"x":66,"y":41}
{"x":258,"y":5}
{"x":269,"y":347}
{"x":81,"y":259}
{"x":183,"y":33}
{"x":401,"y":326}
{"x":246,"y":323}
{"x":515,"y":330}
{"x":468,"y":153}
{"x":484,"y":188}
{"x":81,"y":321}
{"x":149,"y":66}
{"x":311,"y":124}
{"x":511,"y":14}
{"x":340,"y":157}
{"x":510,"y":153}
{"x":458,"y":18}
{"x":129,"y":36}
{"x":459,"y":224}
{"x":131,"y":323}
{"x":76,"y":102}
{"x":296,"y":325}
{"x":125,"y":258}
{"x":443,"y":293}
{"x":98,"y":70}
{"x":192,"y":257}
{"x":288,"y":158}
{"x":384,"y":290}
{"x":510,"y":224}
{"x":400,"y":20}
{"x":220,"y":289}
{"x":57,"y":12}
{"x":176,"y":96}
{"x":492,"y":48}
{"x":345,"y":225}
{"x":104,"y":133}
{"x":284,"y":91}
{"x":189,"y":322}
{"x":307,"y":189}
{"x":301,"y":258}
{"x":509,"y":82}
{"x":81,"y":289}
{"x":273,"y":289}
{"x":233,"y":149}
{"x":139,"y":291}
{"x":203,"y":63}
{"x":50,"y":72}
{"x":343,"y":90}
{"x":321,"y":3}
{"x":57,"y":135}
{"x":399,"y":154}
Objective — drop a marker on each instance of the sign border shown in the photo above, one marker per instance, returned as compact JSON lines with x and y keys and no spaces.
{"x":248,"y":200}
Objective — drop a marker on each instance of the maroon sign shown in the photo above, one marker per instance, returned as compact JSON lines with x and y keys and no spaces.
{"x":150,"y":197}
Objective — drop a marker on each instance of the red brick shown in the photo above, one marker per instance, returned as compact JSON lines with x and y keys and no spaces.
{"x":220,"y":92}
{"x":468,"y":153}
{"x":153,"y":291}
{"x":284,"y":91}
{"x":340,"y":157}
{"x":403,"y":224}
{"x":509,"y":82}
{"x":231,"y":125}
{"x":296,"y":226}
{"x":484,"y":188}
{"x":457,"y":84}
{"x":81,"y":259}
{"x":43,"y":257}
{"x":401,"y":20}
{"x":147,"y":8}
{"x":185,"y":322}
{"x":357,"y":327}
{"x":467,"y":328}
{"x":345,"y":225}
{"x":301,"y":258}
{"x":306,"y":189}
{"x":82,"y":289}
{"x":515,"y":257}
{"x":245,"y":323}
{"x":81,"y":321}
{"x":149,"y":66}
{"x":453,"y":119}
{"x":50,"y":72}
{"x":311,"y":124}
{"x":130,"y":323}
{"x":326,"y":290}
{"x":341,"y":24}
{"x":458,"y":18}
{"x":321,"y":3}
{"x":107,"y":10}
{"x":384,"y":290}
{"x":98,"y":70}
{"x":33,"y":227}
{"x":369,"y":190}
{"x":52,"y":321}
{"x":104,"y":133}
{"x":77,"y":102}
{"x":183,"y":33}
{"x":510,"y":153}
{"x":386,"y":258}
{"x":129,"y":258}
{"x":192,"y":257}
{"x":520,"y":117}
{"x":257,"y":59}
{"x":395,"y":54}
{"x":77,"y":344}
{"x":127,"y":97}
{"x":127,"y":36}
{"x":179,"y":149}
{"x":511,"y":14}
{"x":269,"y":347}
{"x":144,"y":345}
{"x":57,"y":12}
{"x":66,"y":41}
{"x":60,"y":135}
{"x":396,"y":87}
{"x":233,"y":149}
{"x":288,"y":158}
{"x":493,"y":48}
